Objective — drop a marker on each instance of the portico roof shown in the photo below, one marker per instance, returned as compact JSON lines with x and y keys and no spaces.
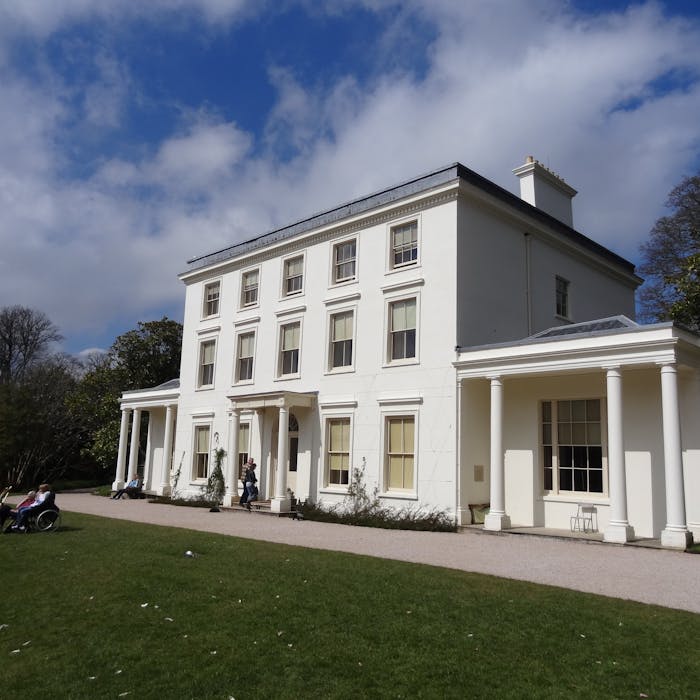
{"x":164,"y":394}
{"x":273,"y":399}
{"x":598,"y":344}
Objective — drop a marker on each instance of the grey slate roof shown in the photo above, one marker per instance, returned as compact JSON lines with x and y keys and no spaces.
{"x":422,"y":183}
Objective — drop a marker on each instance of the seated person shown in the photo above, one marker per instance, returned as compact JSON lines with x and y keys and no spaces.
{"x":132,"y":489}
{"x":10,"y":512}
{"x":44,"y":499}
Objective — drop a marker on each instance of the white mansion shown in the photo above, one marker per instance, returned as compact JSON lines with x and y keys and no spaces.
{"x":459,"y":344}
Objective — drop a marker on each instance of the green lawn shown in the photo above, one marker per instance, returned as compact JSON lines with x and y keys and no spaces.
{"x":108,"y":609}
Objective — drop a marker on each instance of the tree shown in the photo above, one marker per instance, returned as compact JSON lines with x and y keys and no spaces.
{"x":26,"y":336}
{"x":671,"y":260}
{"x":38,"y":438}
{"x":138,"y":359}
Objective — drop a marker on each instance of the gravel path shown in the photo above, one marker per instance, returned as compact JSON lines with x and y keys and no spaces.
{"x":661,"y":577}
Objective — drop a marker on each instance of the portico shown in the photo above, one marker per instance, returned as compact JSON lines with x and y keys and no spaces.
{"x":160,"y":405}
{"x":586,"y":413}
{"x":270,"y":414}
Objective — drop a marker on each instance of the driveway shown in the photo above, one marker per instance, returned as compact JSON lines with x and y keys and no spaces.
{"x":660,"y":577}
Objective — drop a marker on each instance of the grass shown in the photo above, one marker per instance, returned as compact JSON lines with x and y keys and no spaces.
{"x":106,"y":607}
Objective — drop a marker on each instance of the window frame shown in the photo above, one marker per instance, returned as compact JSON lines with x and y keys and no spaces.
{"x":206,"y":301}
{"x":237,"y":379}
{"x":335,"y":279}
{"x":392,"y":227}
{"x":286,"y":261}
{"x":330,"y":367}
{"x":555,"y":444}
{"x":241,"y":297}
{"x":195,"y":454}
{"x":200,"y":385}
{"x":388,"y":490}
{"x":389,"y":360}
{"x":562,"y":297}
{"x":328,"y":419}
{"x":279,"y":355}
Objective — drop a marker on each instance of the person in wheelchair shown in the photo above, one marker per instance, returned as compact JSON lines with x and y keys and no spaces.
{"x":10,"y":512}
{"x":45,"y":499}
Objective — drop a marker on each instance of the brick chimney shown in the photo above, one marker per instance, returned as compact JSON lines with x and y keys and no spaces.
{"x":545,"y":190}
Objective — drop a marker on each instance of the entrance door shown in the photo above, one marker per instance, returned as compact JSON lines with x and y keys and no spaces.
{"x":292,"y":454}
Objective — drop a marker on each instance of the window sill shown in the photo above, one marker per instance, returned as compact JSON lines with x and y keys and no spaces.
{"x":340,"y":370}
{"x":401,"y":363}
{"x":335,"y":491}
{"x":400,"y":496}
{"x":205,"y":387}
{"x":285,"y":377}
{"x":596,"y":499}
{"x":402,"y":268}
{"x":244,"y":382}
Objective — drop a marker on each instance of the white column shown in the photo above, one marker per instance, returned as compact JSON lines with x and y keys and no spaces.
{"x":167,"y":451}
{"x":618,"y":529}
{"x":134,"y":449}
{"x":231,"y":471}
{"x":676,"y":533}
{"x":259,"y":458}
{"x":281,"y":503}
{"x":148,"y":460}
{"x":121,"y":455}
{"x":496,"y":519}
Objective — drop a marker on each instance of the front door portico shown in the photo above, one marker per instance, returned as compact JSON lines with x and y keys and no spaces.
{"x":282,"y":452}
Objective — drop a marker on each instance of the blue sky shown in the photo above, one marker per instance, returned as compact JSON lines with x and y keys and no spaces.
{"x":135,"y":135}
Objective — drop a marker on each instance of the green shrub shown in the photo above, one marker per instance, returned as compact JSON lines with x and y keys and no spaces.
{"x":364,"y":509}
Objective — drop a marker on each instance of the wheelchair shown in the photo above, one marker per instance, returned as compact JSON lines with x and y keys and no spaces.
{"x":46,"y":519}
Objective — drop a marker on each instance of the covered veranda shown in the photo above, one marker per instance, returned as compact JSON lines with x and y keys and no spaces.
{"x":644,"y":381}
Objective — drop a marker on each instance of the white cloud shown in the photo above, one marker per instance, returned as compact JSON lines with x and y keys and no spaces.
{"x":497,"y":85}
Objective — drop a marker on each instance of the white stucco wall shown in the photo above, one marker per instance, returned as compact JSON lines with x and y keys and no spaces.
{"x":495,"y":279}
{"x":373,"y":388}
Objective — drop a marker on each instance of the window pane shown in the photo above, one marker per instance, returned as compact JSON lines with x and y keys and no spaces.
{"x":546,"y":411}
{"x":202,"y":439}
{"x":564,"y":433}
{"x":395,"y":436}
{"x":547,"y":434}
{"x":396,"y":472}
{"x":246,"y":345}
{"x":578,"y":433}
{"x":593,"y":410}
{"x":565,"y":456}
{"x":580,"y":480}
{"x":578,"y":410}
{"x":593,"y":434}
{"x":595,"y":457}
{"x":207,"y":353}
{"x":566,"y":480}
{"x":580,"y":456}
{"x":595,"y":480}
{"x":564,"y":410}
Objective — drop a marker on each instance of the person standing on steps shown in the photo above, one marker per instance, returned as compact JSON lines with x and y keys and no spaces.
{"x":251,"y":480}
